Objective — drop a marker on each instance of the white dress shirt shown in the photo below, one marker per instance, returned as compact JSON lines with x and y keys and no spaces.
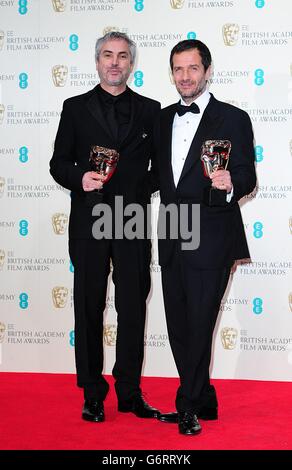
{"x":183,"y":130}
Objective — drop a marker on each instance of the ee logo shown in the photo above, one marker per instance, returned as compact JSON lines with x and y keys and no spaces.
{"x":257,"y":305}
{"x":22,"y":7}
{"x":23,"y":227}
{"x":259,"y":77}
{"x":138,"y":75}
{"x":23,"y":300}
{"x":23,"y":154}
{"x":72,"y":338}
{"x":23,"y":77}
{"x":73,"y":42}
{"x":258,"y":230}
{"x":139,"y":6}
{"x":259,"y":153}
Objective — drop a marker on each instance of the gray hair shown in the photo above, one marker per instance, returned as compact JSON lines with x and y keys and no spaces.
{"x":114,"y":35}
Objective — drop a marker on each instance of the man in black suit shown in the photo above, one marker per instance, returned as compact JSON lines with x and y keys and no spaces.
{"x":194,"y":280}
{"x":114,"y":117}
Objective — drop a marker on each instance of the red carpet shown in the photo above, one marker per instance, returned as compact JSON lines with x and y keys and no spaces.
{"x":42,"y":411}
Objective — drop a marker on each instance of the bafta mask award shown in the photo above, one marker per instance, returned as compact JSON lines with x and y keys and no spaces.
{"x":215,"y":156}
{"x":103,"y":161}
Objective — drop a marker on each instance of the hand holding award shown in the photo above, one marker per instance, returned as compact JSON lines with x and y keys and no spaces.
{"x":215,"y":156}
{"x":103,"y":161}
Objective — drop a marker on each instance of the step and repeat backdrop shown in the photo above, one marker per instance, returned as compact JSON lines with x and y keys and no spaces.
{"x":47,"y":55}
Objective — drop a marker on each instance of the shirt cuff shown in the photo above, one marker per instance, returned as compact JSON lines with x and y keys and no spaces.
{"x":229,"y":195}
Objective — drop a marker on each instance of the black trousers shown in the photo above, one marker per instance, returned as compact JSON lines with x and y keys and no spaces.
{"x":192,"y":300}
{"x":131,"y":276}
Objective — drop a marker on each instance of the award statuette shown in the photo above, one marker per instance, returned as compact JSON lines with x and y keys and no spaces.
{"x":103,"y":161}
{"x":215,"y":156}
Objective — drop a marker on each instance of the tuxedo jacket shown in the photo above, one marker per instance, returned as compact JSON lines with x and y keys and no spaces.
{"x":222,"y":236}
{"x":82,"y":125}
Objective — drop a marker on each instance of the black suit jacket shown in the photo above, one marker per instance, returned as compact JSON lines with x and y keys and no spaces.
{"x":222,"y":236}
{"x":82,"y":124}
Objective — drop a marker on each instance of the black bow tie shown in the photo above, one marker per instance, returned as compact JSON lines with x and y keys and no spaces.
{"x":181,"y":109}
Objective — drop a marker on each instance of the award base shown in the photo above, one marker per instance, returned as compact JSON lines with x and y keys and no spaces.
{"x":93,"y":197}
{"x":214,"y":197}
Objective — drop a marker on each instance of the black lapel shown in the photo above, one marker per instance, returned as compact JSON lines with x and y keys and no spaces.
{"x":94,"y":107}
{"x":166,"y":141}
{"x":210,"y":121}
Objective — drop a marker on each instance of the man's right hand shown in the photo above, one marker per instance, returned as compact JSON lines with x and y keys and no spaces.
{"x":92,"y":180}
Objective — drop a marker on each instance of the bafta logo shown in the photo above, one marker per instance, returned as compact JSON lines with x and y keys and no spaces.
{"x":232,"y":102}
{"x":110,"y":335}
{"x":228,"y":337}
{"x":177,"y":4}
{"x":2,"y":185}
{"x":59,"y":5}
{"x":109,"y":29}
{"x":2,"y":259}
{"x":59,"y":222}
{"x":215,"y":155}
{"x":60,"y":296}
{"x":2,"y":35}
{"x":230,"y":33}
{"x":2,"y":331}
{"x":290,"y":224}
{"x":59,"y":74}
{"x":290,"y":301}
{"x":2,"y":109}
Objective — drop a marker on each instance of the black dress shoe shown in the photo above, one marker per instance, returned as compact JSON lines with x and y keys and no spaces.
{"x":168,"y":417}
{"x":188,"y":424}
{"x":139,"y":407}
{"x":208,"y":414}
{"x":93,"y":411}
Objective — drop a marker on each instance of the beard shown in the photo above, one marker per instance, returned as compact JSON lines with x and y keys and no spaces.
{"x":193,"y":93}
{"x":120,"y":79}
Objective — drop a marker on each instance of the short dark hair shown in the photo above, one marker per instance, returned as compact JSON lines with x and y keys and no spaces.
{"x":188,"y":44}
